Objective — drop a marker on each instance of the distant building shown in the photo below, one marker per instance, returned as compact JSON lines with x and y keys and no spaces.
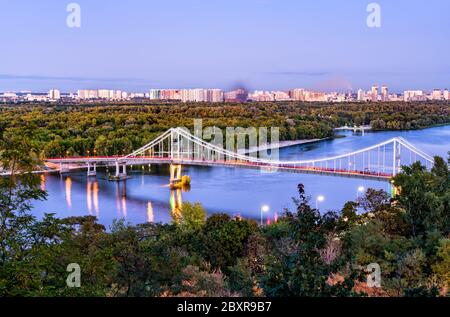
{"x":87,"y":94}
{"x":384,"y":93}
{"x":281,"y":96}
{"x":446,"y":94}
{"x":436,"y":94}
{"x":261,"y":96}
{"x":395,"y":97}
{"x":413,"y":95}
{"x":170,"y":94}
{"x":155,"y":94}
{"x":238,"y":95}
{"x":11,"y":95}
{"x":315,"y":96}
{"x":214,"y":95}
{"x":361,"y":95}
{"x":37,"y":97}
{"x":105,"y":94}
{"x":54,"y":94}
{"x":297,"y":94}
{"x":374,"y":93}
{"x":137,"y":95}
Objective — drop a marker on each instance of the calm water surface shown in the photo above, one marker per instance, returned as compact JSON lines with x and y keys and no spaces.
{"x":145,"y":197}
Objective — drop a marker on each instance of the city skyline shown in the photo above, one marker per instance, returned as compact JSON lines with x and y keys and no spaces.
{"x":320,"y":46}
{"x":237,"y":95}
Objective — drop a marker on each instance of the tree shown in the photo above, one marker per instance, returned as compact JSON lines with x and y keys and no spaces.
{"x":425,"y":196}
{"x":296,"y":267}
{"x":442,"y":266}
{"x":193,"y":217}
{"x":18,"y":157}
{"x":224,"y":240}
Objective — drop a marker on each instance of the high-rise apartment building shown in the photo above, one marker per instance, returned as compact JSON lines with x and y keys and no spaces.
{"x":361,"y":95}
{"x":155,"y":94}
{"x":87,"y":94}
{"x":315,"y":96}
{"x":105,"y":94}
{"x":54,"y":94}
{"x":238,"y":95}
{"x":413,"y":95}
{"x":436,"y":94}
{"x":384,"y":93}
{"x":261,"y":96}
{"x":374,"y":93}
{"x":214,"y":95}
{"x":297,"y":94}
{"x":281,"y":96}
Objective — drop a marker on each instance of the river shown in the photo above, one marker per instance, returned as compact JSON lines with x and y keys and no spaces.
{"x":146,"y":198}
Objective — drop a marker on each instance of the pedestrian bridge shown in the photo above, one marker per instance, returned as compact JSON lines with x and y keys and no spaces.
{"x":178,"y":146}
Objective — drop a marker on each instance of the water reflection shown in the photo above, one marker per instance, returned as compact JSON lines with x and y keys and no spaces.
{"x":150,"y":215}
{"x":176,"y":203}
{"x":96,"y":204}
{"x":121,"y":199}
{"x":69,"y":192}
{"x":88,"y":196}
{"x":124,"y":207}
{"x":42,"y":182}
{"x":92,"y":192}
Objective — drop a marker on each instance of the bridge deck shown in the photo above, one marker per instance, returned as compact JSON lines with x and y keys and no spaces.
{"x":110,"y":161}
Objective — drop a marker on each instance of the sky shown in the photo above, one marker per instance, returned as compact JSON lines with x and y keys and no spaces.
{"x":137,"y":45}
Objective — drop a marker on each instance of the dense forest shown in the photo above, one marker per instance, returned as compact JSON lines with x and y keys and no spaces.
{"x":61,"y":130}
{"x":304,"y":253}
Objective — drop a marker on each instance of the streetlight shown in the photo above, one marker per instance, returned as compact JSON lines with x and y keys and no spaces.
{"x":319,"y":199}
{"x":361,"y":189}
{"x":264,"y":208}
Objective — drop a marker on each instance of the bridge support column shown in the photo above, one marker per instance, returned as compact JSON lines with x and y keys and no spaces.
{"x":62,"y":169}
{"x":117,"y":169}
{"x":92,"y":172}
{"x":118,"y":175}
{"x":175,"y":174}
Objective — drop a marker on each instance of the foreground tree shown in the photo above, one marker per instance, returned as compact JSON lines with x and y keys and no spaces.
{"x":425,"y":196}
{"x":18,"y":158}
{"x":296,"y":266}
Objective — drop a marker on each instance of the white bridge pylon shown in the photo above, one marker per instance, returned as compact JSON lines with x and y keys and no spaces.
{"x":383,"y":160}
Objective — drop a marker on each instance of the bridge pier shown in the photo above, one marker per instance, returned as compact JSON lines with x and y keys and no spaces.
{"x":92,"y":172}
{"x":175,"y":174}
{"x":118,"y":175}
{"x":62,"y":169}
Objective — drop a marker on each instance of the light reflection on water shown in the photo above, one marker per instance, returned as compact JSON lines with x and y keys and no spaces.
{"x":145,"y":197}
{"x":69,"y":192}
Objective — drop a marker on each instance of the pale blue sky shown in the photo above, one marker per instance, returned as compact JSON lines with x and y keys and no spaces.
{"x":267,"y":44}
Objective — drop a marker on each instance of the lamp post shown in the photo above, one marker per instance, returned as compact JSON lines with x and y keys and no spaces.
{"x":319,"y":199}
{"x":264,"y":209}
